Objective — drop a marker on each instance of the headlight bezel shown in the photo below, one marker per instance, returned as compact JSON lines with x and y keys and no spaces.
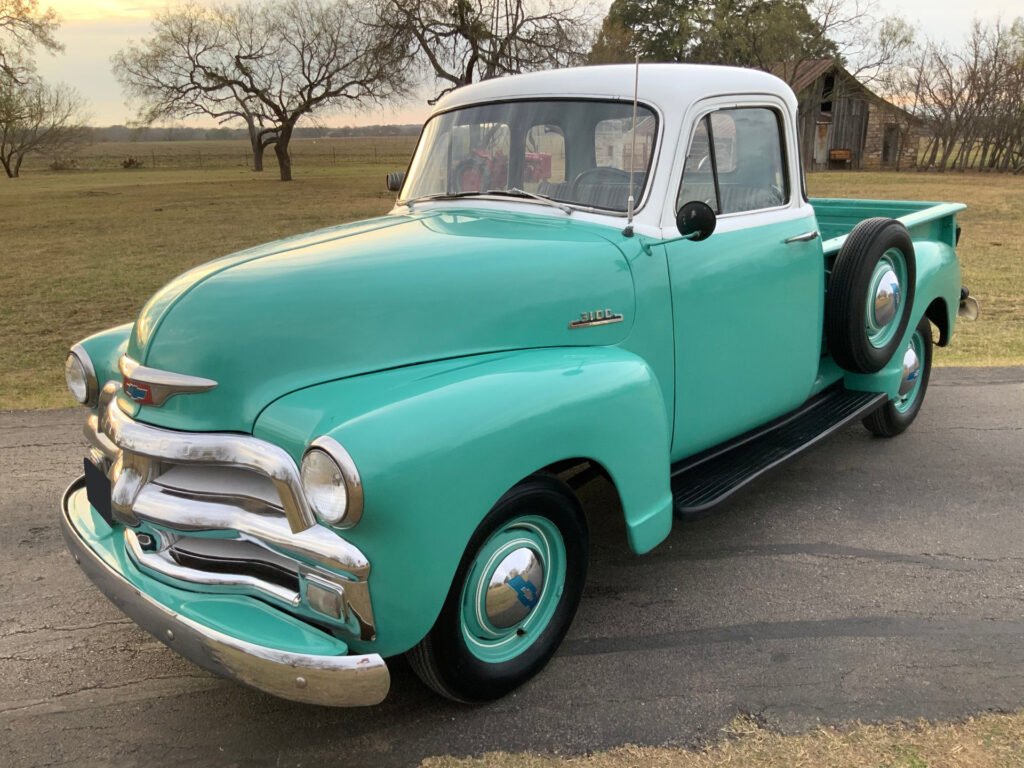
{"x":342,"y":460}
{"x":92,"y":388}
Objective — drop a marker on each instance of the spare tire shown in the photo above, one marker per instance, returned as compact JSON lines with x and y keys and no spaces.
{"x":870,"y":293}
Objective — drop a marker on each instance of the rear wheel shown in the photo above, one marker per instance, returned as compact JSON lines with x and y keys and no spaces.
{"x":898,"y":414}
{"x":513,"y":598}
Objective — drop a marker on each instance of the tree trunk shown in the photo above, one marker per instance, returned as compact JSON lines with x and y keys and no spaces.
{"x":17,"y":166}
{"x":254,"y":143}
{"x":284,"y":160}
{"x":6,"y":163}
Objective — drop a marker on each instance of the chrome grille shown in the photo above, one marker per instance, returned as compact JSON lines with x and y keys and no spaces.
{"x":177,"y":488}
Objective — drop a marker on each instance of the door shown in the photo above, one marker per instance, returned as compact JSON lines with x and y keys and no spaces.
{"x":747,"y":302}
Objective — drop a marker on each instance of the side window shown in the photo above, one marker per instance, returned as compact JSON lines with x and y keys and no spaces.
{"x":544,"y":162}
{"x":736,"y":161}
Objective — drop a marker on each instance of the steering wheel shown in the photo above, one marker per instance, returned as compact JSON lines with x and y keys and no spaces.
{"x":599,"y":175}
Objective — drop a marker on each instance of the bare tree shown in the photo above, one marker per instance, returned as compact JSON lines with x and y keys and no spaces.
{"x":268,"y":63}
{"x":970,"y":96}
{"x":464,"y":41}
{"x":23,"y":26}
{"x":162,"y":75}
{"x":37,"y":118}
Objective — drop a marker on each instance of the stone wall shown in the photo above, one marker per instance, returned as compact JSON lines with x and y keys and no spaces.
{"x":878,"y":118}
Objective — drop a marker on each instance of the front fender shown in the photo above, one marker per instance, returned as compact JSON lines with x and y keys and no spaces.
{"x":438,"y":444}
{"x":105,"y":349}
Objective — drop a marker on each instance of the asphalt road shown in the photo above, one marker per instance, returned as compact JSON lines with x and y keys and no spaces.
{"x":870,"y":580}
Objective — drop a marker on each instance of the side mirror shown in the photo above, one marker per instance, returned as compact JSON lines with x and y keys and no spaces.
{"x":696,"y":220}
{"x":395,"y":181}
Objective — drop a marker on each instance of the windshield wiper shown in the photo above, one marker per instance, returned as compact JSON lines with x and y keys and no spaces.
{"x":439,"y":196}
{"x":512,"y":192}
{"x":516,"y":192}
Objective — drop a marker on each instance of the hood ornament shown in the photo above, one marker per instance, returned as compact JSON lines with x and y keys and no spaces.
{"x":151,"y":386}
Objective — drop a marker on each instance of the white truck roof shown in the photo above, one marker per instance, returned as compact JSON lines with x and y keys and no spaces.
{"x":666,"y":86}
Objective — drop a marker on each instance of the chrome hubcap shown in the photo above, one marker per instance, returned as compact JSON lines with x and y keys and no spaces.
{"x":514,"y":588}
{"x":887,"y":299}
{"x":911,"y":371}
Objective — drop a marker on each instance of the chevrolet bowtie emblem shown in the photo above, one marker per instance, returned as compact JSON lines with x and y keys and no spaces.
{"x":151,"y":386}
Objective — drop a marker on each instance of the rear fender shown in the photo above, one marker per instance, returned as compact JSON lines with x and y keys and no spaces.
{"x":438,"y":444}
{"x":937,"y":290}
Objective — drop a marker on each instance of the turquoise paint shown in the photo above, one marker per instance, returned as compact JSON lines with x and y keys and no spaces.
{"x":905,"y":402}
{"x":892,"y":260}
{"x":435,"y":347}
{"x":938,"y":276}
{"x":496,"y":645}
{"x":426,"y":287}
{"x":438,"y":444}
{"x":241,"y":617}
{"x":747,"y":330}
{"x":105,"y":349}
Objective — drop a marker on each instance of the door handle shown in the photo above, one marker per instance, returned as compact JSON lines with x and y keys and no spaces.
{"x":806,"y":237}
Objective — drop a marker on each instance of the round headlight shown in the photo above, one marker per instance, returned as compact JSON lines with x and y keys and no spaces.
{"x":331,"y":482}
{"x":79,"y":377}
{"x":325,"y":486}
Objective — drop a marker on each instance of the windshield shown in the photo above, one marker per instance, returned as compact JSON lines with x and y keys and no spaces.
{"x":572,"y":151}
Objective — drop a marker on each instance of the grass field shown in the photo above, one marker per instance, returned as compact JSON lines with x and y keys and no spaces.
{"x":991,"y":741}
{"x":83,"y":250}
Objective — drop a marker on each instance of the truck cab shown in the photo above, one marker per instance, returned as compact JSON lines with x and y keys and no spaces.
{"x":312,"y":455}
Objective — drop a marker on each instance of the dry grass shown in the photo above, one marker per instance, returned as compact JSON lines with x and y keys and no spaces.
{"x":991,"y":741}
{"x":82,"y":250}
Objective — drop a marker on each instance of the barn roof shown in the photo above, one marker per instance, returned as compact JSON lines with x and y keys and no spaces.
{"x":803,"y":74}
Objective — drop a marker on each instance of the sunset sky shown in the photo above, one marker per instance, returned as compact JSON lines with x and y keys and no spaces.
{"x":94,"y":29}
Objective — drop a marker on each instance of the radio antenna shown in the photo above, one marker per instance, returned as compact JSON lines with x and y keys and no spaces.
{"x":630,"y":202}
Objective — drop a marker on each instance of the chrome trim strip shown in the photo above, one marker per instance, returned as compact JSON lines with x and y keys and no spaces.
{"x":163,"y":385}
{"x":806,"y":237}
{"x":212,"y":448}
{"x":98,"y":440}
{"x":340,"y":681}
{"x":92,"y":388}
{"x":353,"y":483}
{"x":162,"y":563}
{"x":317,"y":544}
{"x":606,"y":320}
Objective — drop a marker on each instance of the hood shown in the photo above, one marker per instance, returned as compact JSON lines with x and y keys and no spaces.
{"x":378,"y":294}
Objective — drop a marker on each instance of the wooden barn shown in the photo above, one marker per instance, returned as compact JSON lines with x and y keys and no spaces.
{"x":844,"y":125}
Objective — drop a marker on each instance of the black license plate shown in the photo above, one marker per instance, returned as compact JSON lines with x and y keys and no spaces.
{"x":97,"y":488}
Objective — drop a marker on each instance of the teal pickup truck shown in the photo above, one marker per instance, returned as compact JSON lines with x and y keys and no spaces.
{"x":315,"y":454}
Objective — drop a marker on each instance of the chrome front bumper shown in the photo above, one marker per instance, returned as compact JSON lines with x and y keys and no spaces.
{"x":330,"y":680}
{"x":226,"y":513}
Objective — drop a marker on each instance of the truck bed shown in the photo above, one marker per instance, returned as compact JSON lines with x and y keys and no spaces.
{"x":929,"y":221}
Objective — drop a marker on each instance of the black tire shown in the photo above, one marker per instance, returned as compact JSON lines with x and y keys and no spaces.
{"x":846,"y":318}
{"x":443,"y":659}
{"x":890,"y":420}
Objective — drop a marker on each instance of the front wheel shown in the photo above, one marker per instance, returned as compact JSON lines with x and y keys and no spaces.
{"x":513,"y":598}
{"x":898,"y":414}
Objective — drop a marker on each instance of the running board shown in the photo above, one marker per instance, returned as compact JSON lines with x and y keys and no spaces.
{"x":709,"y":478}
